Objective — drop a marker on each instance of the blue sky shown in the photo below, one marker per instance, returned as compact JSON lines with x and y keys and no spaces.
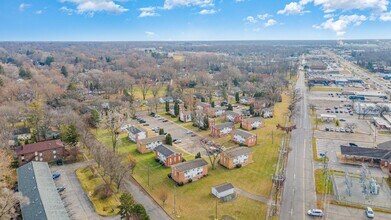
{"x":130,"y":20}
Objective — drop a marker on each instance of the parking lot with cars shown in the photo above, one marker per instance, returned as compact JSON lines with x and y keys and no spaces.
{"x":182,"y":137}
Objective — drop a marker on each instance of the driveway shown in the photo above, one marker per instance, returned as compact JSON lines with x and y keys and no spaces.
{"x":189,"y":144}
{"x":75,"y":201}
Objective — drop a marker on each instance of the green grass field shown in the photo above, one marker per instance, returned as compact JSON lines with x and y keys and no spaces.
{"x":195,"y":199}
{"x":320,"y":183}
{"x":325,"y":89}
{"x":105,"y":207}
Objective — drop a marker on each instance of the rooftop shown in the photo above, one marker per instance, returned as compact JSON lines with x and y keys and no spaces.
{"x":365,"y":152}
{"x":35,"y":182}
{"x":152,"y":139}
{"x":136,"y":129}
{"x":40,"y":146}
{"x":238,"y":151}
{"x":254,"y":119}
{"x":224,"y":125}
{"x":223,"y":187}
{"x":166,"y":150}
{"x":188,"y":165}
{"x":242,"y":133}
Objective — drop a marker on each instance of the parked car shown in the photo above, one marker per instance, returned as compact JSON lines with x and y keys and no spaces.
{"x":173,"y":140}
{"x":342,"y":130}
{"x":369,"y":212}
{"x":165,"y":120}
{"x":315,"y":212}
{"x":353,"y":145}
{"x":327,"y":129}
{"x":189,"y":132}
{"x":60,"y":189}
{"x":331,"y":129}
{"x":193,"y":135}
{"x":327,"y":108}
{"x":178,"y":141}
{"x":56,"y":175}
{"x":342,"y":119}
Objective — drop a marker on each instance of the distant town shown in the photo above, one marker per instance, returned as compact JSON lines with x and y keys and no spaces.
{"x":195,"y":130}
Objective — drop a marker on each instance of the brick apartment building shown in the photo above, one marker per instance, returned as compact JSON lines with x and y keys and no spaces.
{"x":233,"y":117}
{"x":244,"y":138}
{"x":194,"y":170}
{"x":147,"y":145}
{"x":167,"y":155}
{"x":232,"y":157}
{"x":252,"y":123}
{"x":222,"y":130}
{"x":45,"y":151}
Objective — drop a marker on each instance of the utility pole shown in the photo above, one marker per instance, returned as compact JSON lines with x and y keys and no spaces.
{"x":216,"y":210}
{"x":148,"y":174}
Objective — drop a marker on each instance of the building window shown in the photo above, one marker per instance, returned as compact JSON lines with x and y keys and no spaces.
{"x":54,"y":152}
{"x":36,"y":158}
{"x":40,"y":154}
{"x":40,"y":159}
{"x":36,"y":153}
{"x":54,"y":157}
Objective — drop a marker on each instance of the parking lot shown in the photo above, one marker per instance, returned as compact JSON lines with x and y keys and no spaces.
{"x":75,"y":201}
{"x":189,"y":143}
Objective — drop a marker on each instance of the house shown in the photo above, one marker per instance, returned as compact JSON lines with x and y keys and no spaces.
{"x":360,"y":155}
{"x":216,"y":111}
{"x":167,"y":155}
{"x":189,"y":171}
{"x":381,"y":123}
{"x":244,"y":138}
{"x":222,"y":130}
{"x":235,"y":157}
{"x":203,"y":106}
{"x":233,"y":117}
{"x":45,"y":151}
{"x":246,"y":100}
{"x":224,"y":191}
{"x":36,"y":183}
{"x":136,"y":133}
{"x":267,"y":113}
{"x":185,"y":116}
{"x":252,"y":123}
{"x":147,"y":145}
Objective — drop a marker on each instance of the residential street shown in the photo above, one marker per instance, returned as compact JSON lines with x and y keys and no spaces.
{"x":299,"y":192}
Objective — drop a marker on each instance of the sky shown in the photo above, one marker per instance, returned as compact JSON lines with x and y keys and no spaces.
{"x":187,"y":20}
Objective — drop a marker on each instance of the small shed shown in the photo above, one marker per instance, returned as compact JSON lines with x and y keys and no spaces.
{"x":224,"y":191}
{"x":327,"y":117}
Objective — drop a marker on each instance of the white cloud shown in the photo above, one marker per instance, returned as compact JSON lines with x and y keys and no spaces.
{"x":238,"y":1}
{"x":170,"y":4}
{"x":257,"y":29}
{"x":339,"y":26}
{"x":207,"y":12}
{"x":385,"y":16}
{"x":66,"y":10}
{"x":293,"y":8}
{"x":270,"y":22}
{"x":38,"y":12}
{"x":23,"y":6}
{"x":148,"y":12}
{"x":332,"y":5}
{"x":251,"y":19}
{"x":263,"y":16}
{"x":150,"y":34}
{"x":92,"y":6}
{"x":328,"y":15}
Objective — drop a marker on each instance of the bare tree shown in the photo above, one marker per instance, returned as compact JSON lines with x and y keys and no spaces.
{"x":145,"y":86}
{"x":213,"y":150}
{"x":163,"y":195}
{"x":295,"y":98}
{"x":350,"y":126}
{"x":113,"y":123}
{"x":156,"y":88}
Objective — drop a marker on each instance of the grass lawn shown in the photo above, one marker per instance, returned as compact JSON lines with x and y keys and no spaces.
{"x":320,"y":183}
{"x":138,"y":92}
{"x":105,"y":207}
{"x":325,"y":89}
{"x":195,"y":199}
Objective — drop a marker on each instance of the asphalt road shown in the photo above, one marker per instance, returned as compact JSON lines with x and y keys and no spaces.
{"x":299,"y":191}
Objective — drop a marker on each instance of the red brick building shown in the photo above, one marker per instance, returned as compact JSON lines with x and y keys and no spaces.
{"x":167,"y":155}
{"x":252,"y":123}
{"x":244,"y":138}
{"x":45,"y":151}
{"x":233,"y":117}
{"x":194,"y":170}
{"x":222,"y":130}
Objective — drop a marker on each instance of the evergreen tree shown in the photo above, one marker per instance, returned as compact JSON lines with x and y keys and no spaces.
{"x":230,"y":108}
{"x":202,"y":99}
{"x":49,"y":60}
{"x":251,"y":109}
{"x":139,"y":212}
{"x":126,"y":207}
{"x":95,"y":118}
{"x":237,"y":97}
{"x":69,"y":135}
{"x":167,"y":106}
{"x":24,"y":74}
{"x":1,"y":70}
{"x":64,"y":71}
{"x":206,"y":122}
{"x":198,"y":155}
{"x":77,"y":60}
{"x":212,"y":104}
{"x":176,"y":109}
{"x":169,"y":139}
{"x":1,"y":82}
{"x":161,"y":131}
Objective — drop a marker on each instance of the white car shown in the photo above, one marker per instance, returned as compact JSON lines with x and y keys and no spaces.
{"x":178,"y":141}
{"x":369,"y":212}
{"x":315,"y":212}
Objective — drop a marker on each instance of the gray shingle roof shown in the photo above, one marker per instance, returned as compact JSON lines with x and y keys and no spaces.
{"x":238,"y":151}
{"x":199,"y":162}
{"x":152,"y":139}
{"x":223,"y":187}
{"x":364,"y":152}
{"x":166,"y":150}
{"x":35,"y":182}
{"x":136,"y":129}
{"x":254,"y":119}
{"x":231,"y":113}
{"x":242,"y":133}
{"x":224,"y":125}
